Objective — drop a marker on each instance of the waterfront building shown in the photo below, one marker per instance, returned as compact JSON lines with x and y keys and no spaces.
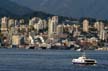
{"x":52,"y":26}
{"x":97,"y":25}
{"x":54,"y":23}
{"x":30,"y":22}
{"x":15,"y":40}
{"x":21,"y":21}
{"x":45,"y":25}
{"x":101,"y":26}
{"x":59,"y":29}
{"x":102,"y":35}
{"x":76,"y":31}
{"x":17,"y":23}
{"x":4,"y":24}
{"x":85,"y":25}
{"x":11,"y":23}
{"x":34,"y":20}
{"x":37,"y":23}
{"x":101,"y":31}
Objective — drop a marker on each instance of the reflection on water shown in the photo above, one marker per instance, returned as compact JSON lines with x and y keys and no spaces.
{"x":49,"y":60}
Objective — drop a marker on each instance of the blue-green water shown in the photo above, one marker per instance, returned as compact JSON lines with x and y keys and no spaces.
{"x":48,"y":60}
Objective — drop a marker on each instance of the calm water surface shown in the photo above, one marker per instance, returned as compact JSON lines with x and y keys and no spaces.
{"x":48,"y":60}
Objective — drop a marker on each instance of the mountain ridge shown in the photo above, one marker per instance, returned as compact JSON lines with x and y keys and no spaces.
{"x":9,"y":8}
{"x":73,"y":8}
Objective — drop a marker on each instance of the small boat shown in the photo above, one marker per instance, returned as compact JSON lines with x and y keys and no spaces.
{"x":83,"y":60}
{"x":79,"y":50}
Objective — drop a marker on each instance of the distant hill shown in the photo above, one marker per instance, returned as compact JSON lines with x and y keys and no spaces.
{"x":74,"y":8}
{"x":39,"y":14}
{"x":11,"y":9}
{"x":45,"y":16}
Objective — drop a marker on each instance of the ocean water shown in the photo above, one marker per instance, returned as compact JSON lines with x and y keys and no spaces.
{"x":49,"y":60}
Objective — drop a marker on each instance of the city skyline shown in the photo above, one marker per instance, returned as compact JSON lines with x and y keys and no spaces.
{"x":53,"y":35}
{"x":50,"y":33}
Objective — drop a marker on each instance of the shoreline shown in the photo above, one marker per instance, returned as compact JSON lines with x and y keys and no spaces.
{"x":36,"y":48}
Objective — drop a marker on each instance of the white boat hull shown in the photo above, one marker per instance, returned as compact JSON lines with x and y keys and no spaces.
{"x":83,"y":63}
{"x":84,"y":60}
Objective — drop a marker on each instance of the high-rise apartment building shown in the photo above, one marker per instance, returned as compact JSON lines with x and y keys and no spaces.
{"x":101,"y":31}
{"x":52,"y":25}
{"x":97,"y":25}
{"x":85,"y":25}
{"x":4,"y":24}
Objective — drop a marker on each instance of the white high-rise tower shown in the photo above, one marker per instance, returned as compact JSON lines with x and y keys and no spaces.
{"x":85,"y":25}
{"x":52,"y":26}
